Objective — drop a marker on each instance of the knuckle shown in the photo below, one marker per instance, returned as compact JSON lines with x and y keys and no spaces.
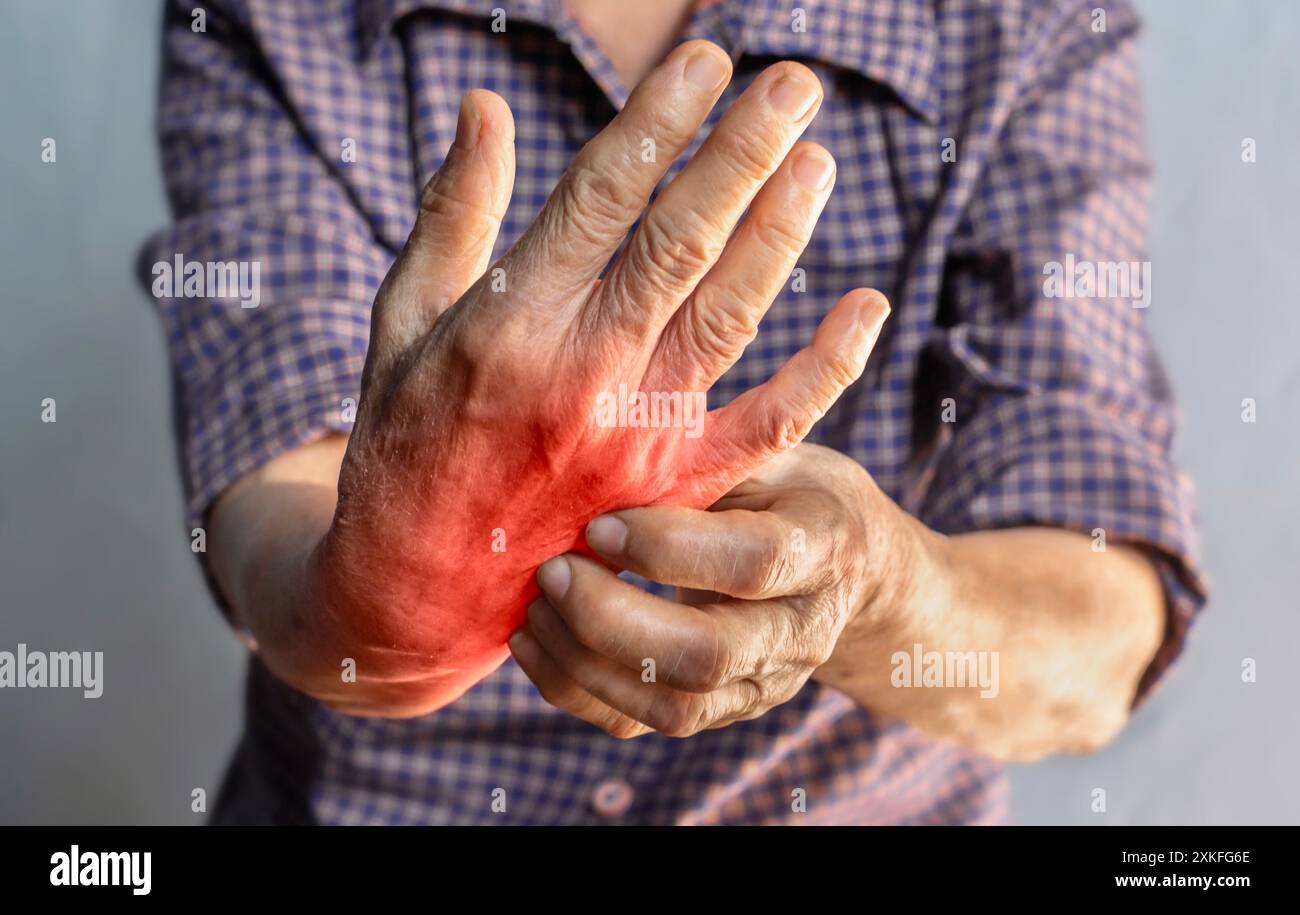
{"x":771,"y":567}
{"x":818,"y":651}
{"x":455,"y":211}
{"x":603,"y":179}
{"x":750,"y":155}
{"x":449,"y":220}
{"x":782,"y":429}
{"x":439,"y":196}
{"x":597,"y":201}
{"x":698,"y":670}
{"x":679,"y":715}
{"x":784,"y":236}
{"x":757,"y":694}
{"x":662,"y":125}
{"x":621,"y":727}
{"x":700,"y":678}
{"x":467,"y":346}
{"x":720,"y":326}
{"x":710,"y":665}
{"x":841,"y":371}
{"x":664,"y":256}
{"x":753,"y":577}
{"x":810,"y":636}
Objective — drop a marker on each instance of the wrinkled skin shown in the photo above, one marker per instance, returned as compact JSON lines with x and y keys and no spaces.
{"x":477,"y":452}
{"x":768,"y":580}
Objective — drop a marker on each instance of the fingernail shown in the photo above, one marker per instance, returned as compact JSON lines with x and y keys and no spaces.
{"x":873,"y":312}
{"x":705,"y":70}
{"x":607,"y":534}
{"x":813,"y":169}
{"x":793,"y":97}
{"x":554,"y":577}
{"x":468,"y":124}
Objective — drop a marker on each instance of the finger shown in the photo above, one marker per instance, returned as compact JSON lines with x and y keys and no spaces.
{"x":606,"y":187}
{"x":719,"y":319}
{"x":656,"y":704}
{"x":686,"y":229}
{"x":775,"y":416}
{"x":460,"y":215}
{"x":746,"y":554}
{"x":693,"y":649}
{"x":559,"y":689}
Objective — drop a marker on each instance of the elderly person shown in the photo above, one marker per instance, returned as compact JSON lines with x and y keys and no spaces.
{"x":491,"y":236}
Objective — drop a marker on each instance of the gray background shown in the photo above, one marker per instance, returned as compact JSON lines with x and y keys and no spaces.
{"x":94,"y":554}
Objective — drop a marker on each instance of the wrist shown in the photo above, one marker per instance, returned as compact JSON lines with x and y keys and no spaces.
{"x":284,"y":602}
{"x":903,"y":597}
{"x":909,"y":572}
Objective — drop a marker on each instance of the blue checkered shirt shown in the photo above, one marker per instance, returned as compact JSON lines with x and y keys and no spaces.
{"x":977,"y":142}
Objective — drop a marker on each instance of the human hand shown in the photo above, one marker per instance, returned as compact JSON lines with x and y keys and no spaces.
{"x":773,"y":574}
{"x":480,"y":449}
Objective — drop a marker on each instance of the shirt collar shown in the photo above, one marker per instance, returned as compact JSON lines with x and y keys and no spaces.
{"x":375,"y":18}
{"x":892,"y":42}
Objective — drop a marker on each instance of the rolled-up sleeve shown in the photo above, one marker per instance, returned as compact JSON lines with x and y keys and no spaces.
{"x":1061,"y":413}
{"x":247,"y":187}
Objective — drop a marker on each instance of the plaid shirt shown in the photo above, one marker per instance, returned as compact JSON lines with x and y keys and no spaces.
{"x":976,"y":143}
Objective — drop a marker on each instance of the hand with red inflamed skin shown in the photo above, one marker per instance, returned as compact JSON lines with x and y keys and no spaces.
{"x":807,"y":569}
{"x":768,"y":579}
{"x":479,"y":450}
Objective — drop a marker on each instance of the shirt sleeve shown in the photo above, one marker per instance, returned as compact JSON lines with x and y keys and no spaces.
{"x":1062,"y":414}
{"x":247,"y":188}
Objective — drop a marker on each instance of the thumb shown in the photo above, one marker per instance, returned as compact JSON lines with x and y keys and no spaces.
{"x":461,"y":209}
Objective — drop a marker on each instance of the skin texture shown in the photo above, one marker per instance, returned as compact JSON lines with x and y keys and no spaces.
{"x":828,"y":578}
{"x":478,"y":444}
{"x":476,"y":420}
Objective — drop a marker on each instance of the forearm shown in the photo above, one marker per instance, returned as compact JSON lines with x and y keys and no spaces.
{"x":266,"y":529}
{"x":1070,"y":630}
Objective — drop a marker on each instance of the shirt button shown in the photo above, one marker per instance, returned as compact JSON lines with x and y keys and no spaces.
{"x":612,"y":798}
